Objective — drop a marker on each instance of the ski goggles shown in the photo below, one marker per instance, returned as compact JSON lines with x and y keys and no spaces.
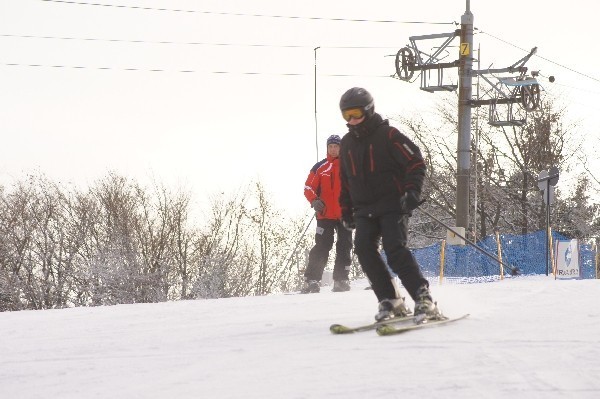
{"x":355,"y":113}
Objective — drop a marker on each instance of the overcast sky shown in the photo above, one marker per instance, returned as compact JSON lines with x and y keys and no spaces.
{"x":212,"y":95}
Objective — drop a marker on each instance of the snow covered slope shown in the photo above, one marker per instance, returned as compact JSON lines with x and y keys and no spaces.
{"x":527,"y":337}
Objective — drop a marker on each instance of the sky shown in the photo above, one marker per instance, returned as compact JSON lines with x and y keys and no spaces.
{"x":209,"y":97}
{"x":526,"y":337}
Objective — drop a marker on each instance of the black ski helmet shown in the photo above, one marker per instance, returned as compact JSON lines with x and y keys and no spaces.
{"x":357,"y":97}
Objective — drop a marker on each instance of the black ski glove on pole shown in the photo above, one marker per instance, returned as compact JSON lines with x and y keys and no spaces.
{"x":410,"y":201}
{"x":348,"y":222}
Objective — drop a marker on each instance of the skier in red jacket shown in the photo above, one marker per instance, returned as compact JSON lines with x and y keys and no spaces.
{"x":322,"y":190}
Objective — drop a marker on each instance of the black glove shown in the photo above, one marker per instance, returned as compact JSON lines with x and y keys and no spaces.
{"x":348,"y":222}
{"x":318,"y":205}
{"x":410,"y":201}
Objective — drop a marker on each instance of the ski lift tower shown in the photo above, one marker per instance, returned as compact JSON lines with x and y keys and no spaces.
{"x":507,"y":91}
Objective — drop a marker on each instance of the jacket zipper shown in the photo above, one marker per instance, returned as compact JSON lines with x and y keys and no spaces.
{"x":333,"y":175}
{"x":352,"y":163}
{"x":398,"y":185}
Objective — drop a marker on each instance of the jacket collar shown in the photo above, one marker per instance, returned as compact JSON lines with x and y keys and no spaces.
{"x":367,"y":127}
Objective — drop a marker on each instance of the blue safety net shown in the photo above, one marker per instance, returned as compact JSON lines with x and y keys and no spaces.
{"x":525,"y":253}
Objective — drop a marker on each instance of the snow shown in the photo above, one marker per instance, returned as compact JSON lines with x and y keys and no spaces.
{"x":526,"y":337}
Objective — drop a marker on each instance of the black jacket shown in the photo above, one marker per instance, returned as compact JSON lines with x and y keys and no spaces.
{"x":378,"y":164}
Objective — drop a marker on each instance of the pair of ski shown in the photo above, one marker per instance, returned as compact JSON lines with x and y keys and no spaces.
{"x":396,"y":325}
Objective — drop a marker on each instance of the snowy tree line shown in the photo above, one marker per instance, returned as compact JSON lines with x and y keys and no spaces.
{"x":118,"y":242}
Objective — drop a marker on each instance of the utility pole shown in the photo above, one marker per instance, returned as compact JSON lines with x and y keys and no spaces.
{"x":316,"y":121}
{"x":465,"y":90}
{"x":504,"y":93}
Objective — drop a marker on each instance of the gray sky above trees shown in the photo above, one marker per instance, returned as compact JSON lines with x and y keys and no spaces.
{"x":211,"y":95}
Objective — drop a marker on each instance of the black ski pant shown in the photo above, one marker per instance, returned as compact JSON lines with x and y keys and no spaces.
{"x":392,"y":229}
{"x":318,"y":255}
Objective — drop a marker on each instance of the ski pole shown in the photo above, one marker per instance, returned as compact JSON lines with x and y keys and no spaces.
{"x":513,"y":270}
{"x":288,"y":263}
{"x":298,"y":243}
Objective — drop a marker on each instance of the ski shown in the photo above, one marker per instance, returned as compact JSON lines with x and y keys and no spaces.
{"x":392,"y":330}
{"x":342,"y":329}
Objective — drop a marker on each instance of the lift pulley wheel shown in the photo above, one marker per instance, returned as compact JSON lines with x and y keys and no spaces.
{"x":530,"y":96}
{"x":405,"y":62}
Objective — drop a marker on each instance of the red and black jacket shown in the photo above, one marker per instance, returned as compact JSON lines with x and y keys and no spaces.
{"x":378,"y":164}
{"x":324,"y":182}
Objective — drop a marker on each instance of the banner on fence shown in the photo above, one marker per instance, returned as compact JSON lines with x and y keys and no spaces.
{"x":567,"y":259}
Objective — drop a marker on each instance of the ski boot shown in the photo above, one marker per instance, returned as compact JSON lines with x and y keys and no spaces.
{"x":341,"y":285}
{"x":425,"y":308}
{"x":311,"y":287}
{"x":390,"y":308}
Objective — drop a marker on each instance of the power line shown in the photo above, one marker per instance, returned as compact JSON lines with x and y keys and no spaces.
{"x":13,"y":64}
{"x":163,"y":42}
{"x":91,"y":39}
{"x":543,"y":58}
{"x":244,"y":14}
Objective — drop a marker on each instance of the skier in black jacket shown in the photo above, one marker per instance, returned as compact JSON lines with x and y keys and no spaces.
{"x":382,"y":174}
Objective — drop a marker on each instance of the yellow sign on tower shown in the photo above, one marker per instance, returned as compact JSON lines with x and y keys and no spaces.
{"x":465,"y":49}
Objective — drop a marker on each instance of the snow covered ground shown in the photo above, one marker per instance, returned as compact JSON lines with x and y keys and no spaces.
{"x":527,"y":337}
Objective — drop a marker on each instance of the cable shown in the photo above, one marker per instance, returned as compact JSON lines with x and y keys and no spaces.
{"x":545,"y":59}
{"x":187,"y":43}
{"x":185,"y":71}
{"x":245,"y":15}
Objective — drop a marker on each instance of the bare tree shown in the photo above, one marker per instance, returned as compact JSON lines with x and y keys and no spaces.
{"x":118,"y":242}
{"x":506,"y":160}
{"x":577,"y":216}
{"x":223,"y":267}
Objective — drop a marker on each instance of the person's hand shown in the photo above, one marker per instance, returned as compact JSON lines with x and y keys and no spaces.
{"x":348,"y":222}
{"x":318,"y":205}
{"x":410,"y":201}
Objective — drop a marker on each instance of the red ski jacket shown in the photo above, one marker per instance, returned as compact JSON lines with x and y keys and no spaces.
{"x":324,"y":182}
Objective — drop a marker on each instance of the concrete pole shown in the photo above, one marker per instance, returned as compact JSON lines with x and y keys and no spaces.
{"x":464,"y":119}
{"x":316,"y":125}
